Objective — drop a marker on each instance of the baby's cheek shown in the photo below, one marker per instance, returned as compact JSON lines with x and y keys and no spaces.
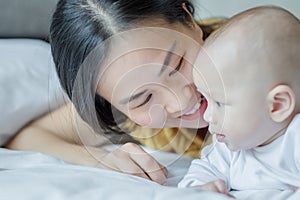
{"x":199,"y":81}
{"x":196,"y":78}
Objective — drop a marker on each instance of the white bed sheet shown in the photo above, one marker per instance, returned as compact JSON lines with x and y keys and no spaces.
{"x":30,"y":175}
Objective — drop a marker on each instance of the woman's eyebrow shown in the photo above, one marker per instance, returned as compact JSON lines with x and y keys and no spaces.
{"x":131,"y":98}
{"x":168,"y":58}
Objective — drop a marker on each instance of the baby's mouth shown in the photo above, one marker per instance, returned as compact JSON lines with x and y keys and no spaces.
{"x":220,"y":137}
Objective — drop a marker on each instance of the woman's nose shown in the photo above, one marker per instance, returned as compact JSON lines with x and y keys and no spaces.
{"x":178,"y":100}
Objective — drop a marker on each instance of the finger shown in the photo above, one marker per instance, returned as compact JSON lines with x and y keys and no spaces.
{"x":150,"y":166}
{"x":221,"y":187}
{"x":230,"y":195}
{"x":211,"y":186}
{"x":119,"y":160}
{"x":155,"y":171}
{"x":163,"y":168}
{"x":130,"y":167}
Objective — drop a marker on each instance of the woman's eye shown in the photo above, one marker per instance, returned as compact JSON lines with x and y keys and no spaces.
{"x":177,"y":68}
{"x":146,"y":101}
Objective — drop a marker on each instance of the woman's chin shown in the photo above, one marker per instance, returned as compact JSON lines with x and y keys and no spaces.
{"x":182,"y":123}
{"x":194,"y":124}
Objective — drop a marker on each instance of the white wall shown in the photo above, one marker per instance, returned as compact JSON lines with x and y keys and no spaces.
{"x":227,"y":8}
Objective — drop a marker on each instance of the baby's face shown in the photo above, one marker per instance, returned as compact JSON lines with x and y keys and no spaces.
{"x":237,"y":109}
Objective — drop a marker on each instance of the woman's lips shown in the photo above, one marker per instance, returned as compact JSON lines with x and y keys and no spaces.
{"x":198,"y":113}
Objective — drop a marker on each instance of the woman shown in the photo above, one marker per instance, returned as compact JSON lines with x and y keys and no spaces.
{"x":155,"y":43}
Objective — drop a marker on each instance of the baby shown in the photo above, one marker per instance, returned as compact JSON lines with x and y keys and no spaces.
{"x":249,"y":73}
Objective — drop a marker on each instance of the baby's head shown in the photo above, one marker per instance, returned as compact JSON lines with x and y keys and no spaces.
{"x":249,"y":71}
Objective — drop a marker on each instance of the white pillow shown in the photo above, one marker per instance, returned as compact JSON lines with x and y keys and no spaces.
{"x":29,"y":86}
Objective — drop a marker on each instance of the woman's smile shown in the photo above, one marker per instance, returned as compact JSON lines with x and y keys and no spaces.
{"x":197,"y":110}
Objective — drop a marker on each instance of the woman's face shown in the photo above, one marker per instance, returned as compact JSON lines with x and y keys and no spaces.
{"x":148,"y":76}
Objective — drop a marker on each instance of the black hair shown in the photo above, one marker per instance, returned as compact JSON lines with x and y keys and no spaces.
{"x":79,"y":26}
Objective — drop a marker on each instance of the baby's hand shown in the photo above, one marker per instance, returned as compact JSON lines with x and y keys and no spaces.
{"x":216,"y":186}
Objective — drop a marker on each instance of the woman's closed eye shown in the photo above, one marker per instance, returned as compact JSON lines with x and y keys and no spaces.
{"x":145,"y":102}
{"x":178,"y":67}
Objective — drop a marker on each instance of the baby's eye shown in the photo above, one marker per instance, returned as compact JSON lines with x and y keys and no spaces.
{"x":219,"y":104}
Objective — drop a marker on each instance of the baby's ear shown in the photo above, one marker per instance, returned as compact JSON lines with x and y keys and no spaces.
{"x":281,"y":101}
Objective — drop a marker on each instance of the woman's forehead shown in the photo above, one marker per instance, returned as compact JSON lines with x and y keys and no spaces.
{"x":145,"y":45}
{"x":146,"y":38}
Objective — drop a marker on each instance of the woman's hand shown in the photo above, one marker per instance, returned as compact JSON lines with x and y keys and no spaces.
{"x":216,"y":186}
{"x":132,"y":159}
{"x":54,"y":134}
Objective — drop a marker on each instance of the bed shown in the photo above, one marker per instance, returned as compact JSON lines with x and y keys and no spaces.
{"x":31,"y":175}
{"x":26,"y":69}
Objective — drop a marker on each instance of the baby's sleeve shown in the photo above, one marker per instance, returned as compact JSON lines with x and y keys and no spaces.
{"x":211,"y":167}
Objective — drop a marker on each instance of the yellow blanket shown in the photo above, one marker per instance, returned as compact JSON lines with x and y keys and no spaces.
{"x":179,"y":140}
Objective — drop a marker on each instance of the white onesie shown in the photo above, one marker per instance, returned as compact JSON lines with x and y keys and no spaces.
{"x":274,"y":166}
